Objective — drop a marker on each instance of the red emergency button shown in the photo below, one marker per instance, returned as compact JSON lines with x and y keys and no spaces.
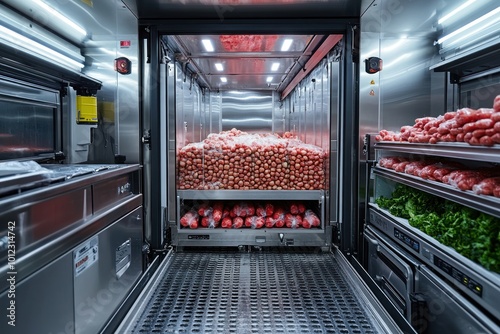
{"x":123,"y":65}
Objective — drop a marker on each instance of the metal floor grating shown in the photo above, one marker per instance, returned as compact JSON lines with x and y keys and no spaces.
{"x":257,"y":292}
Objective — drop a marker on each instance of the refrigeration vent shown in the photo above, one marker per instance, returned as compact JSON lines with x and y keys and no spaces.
{"x":263,"y":292}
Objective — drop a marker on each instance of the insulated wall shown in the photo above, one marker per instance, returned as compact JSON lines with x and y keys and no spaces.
{"x":307,"y":109}
{"x":249,"y":111}
{"x":311,"y":112}
{"x":399,"y":33}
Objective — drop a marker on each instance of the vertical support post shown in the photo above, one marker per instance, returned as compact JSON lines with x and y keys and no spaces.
{"x":152,"y":150}
{"x":348,"y":150}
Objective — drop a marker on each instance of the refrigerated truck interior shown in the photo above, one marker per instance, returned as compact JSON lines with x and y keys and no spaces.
{"x":257,"y":166}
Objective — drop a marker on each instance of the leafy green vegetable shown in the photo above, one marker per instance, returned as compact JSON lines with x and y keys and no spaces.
{"x":471,"y":233}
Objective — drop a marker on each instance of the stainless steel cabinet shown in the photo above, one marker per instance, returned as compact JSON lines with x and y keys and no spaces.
{"x":113,"y":262}
{"x":46,"y":295}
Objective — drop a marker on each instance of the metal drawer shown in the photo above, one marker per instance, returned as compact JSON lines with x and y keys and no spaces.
{"x":111,"y":191}
{"x":448,"y":311}
{"x":391,"y":270}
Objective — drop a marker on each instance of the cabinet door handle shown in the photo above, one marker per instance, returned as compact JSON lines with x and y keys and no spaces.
{"x":391,"y":292}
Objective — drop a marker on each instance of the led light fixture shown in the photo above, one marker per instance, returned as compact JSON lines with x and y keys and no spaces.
{"x":481,"y":23}
{"x":269,"y":79}
{"x":23,"y":43}
{"x":287,"y":43}
{"x":275,"y":66}
{"x":208,"y":45}
{"x":223,"y":79}
{"x":455,"y":11}
{"x":219,"y":67}
{"x":61,"y":17}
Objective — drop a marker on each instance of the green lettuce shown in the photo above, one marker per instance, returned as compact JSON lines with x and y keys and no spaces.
{"x":472,"y":233}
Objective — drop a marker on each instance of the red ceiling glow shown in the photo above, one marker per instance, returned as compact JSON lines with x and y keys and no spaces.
{"x":248,"y":43}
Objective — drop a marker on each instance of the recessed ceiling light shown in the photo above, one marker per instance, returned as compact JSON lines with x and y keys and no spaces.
{"x":223,"y":79}
{"x":287,"y":43}
{"x":208,"y":45}
{"x":219,"y":67}
{"x":269,"y":79}
{"x":275,"y":66}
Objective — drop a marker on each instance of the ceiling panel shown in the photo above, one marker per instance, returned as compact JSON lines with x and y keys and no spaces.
{"x":231,"y":9}
{"x":244,"y":62}
{"x":233,"y":66}
{"x":243,"y":82}
{"x":244,"y":43}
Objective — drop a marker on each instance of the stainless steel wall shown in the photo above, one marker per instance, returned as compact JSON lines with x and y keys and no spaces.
{"x":402,"y":34}
{"x":307,"y":108}
{"x":280,"y":112}
{"x":197,"y":111}
{"x":311,"y":112}
{"x":118,"y":100}
{"x":213,"y":112}
{"x":200,"y":112}
{"x":249,"y":111}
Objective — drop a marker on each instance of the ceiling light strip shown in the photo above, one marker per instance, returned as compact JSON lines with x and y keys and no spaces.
{"x":207,"y":44}
{"x":455,"y":11}
{"x":9,"y":38}
{"x":287,"y":43}
{"x":61,"y":17}
{"x":472,"y":24}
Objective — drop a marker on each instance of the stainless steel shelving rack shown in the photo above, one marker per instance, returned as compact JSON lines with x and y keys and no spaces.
{"x":470,"y":278}
{"x":248,"y":236}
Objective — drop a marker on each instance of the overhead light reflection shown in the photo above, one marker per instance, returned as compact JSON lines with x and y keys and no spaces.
{"x":208,"y":45}
{"x":397,"y":60}
{"x":455,"y":11}
{"x":61,"y":17}
{"x":287,"y":43}
{"x":473,"y":24}
{"x":397,"y":45}
{"x":468,"y":36}
{"x":24,"y":43}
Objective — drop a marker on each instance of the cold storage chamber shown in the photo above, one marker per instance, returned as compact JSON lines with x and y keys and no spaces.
{"x":247,"y":164}
{"x":224,"y":130}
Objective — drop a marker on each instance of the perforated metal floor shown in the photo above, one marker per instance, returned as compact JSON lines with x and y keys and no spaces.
{"x":257,"y":292}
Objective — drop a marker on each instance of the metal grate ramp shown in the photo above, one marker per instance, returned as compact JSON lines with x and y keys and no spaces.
{"x":257,"y":292}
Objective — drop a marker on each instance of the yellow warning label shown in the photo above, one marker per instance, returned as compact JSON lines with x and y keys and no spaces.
{"x":86,"y":108}
{"x":372,"y":82}
{"x":372,"y":93}
{"x":88,"y":3}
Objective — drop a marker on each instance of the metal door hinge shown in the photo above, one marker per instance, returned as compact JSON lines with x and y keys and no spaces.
{"x":146,"y":138}
{"x":146,"y":248}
